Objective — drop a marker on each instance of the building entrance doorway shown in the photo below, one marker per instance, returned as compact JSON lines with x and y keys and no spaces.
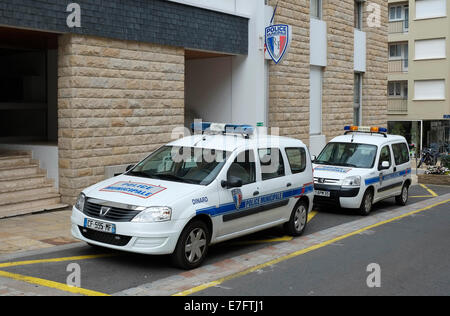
{"x":28,"y":86}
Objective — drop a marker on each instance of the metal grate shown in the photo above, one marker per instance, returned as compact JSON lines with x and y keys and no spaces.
{"x":114,"y":214}
{"x":106,"y":238}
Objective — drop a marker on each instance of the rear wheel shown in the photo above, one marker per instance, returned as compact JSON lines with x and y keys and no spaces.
{"x":402,"y":199}
{"x":299,"y":218}
{"x":192,"y":246}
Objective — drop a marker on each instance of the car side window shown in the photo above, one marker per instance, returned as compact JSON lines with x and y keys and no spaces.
{"x":401,"y":154}
{"x":272,"y":164}
{"x":385,"y":155}
{"x":243,"y":167}
{"x":297,"y":159}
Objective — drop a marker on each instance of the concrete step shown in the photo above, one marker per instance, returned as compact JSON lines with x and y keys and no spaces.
{"x":36,"y":209}
{"x":18,"y":182}
{"x":30,"y":203}
{"x":7,"y":154}
{"x":18,"y":185}
{"x":28,"y":170}
{"x":18,"y":193}
{"x":24,"y":187}
{"x":15,"y":161}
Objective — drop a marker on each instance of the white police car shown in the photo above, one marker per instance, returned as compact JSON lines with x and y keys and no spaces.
{"x":199,"y":190}
{"x":362,"y":167}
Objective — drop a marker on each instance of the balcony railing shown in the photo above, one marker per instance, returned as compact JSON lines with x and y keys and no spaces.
{"x":398,"y":65}
{"x":397,"y":105}
{"x":396,"y":27}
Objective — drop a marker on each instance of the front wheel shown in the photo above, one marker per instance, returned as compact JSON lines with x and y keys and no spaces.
{"x":192,"y":246}
{"x":366,"y":203}
{"x":298,"y":220}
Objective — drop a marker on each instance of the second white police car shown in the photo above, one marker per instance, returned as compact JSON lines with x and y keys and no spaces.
{"x":362,"y":167}
{"x":219,"y":184}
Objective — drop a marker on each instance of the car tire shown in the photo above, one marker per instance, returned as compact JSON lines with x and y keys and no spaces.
{"x":192,"y":246}
{"x":366,"y":203}
{"x":298,"y":220}
{"x":402,"y":199}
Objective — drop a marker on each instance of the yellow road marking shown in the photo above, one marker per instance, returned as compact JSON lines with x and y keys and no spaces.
{"x":429,"y":190}
{"x":51,"y":284}
{"x":75,"y":290}
{"x":300,"y":252}
{"x":278,"y":239}
{"x":421,"y":196}
{"x":28,"y":262}
{"x":311,"y":215}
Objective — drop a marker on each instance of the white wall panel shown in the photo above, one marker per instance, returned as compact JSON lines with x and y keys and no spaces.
{"x":360,"y":51}
{"x":318,"y":43}
{"x":315,"y":100}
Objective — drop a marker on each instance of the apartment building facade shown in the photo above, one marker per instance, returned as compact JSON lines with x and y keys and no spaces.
{"x":419,"y":88}
{"x":99,"y":85}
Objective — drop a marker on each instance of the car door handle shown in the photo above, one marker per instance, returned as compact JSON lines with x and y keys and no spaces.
{"x":255,"y":193}
{"x":289,"y":184}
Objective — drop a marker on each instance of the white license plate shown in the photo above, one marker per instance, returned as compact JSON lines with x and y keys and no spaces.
{"x":100,"y":226}
{"x":322,"y":193}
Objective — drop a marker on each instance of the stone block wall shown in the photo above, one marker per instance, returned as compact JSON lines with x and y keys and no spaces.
{"x":338,"y":77}
{"x":289,"y":80}
{"x":117,"y":101}
{"x":375,"y":79}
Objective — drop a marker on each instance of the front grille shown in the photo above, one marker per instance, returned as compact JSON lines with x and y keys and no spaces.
{"x":106,"y":238}
{"x":114,"y":214}
{"x":326,"y":180}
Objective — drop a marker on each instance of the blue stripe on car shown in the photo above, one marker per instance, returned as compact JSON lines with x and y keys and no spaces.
{"x":388,"y":176}
{"x":257,"y":201}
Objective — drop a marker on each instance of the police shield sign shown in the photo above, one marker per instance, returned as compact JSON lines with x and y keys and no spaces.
{"x":278,"y":38}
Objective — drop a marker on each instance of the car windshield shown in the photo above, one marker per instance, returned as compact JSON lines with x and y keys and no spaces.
{"x":348,"y":155}
{"x":182,"y":164}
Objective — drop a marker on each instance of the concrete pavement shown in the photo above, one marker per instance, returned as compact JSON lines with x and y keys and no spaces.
{"x":37,"y":231}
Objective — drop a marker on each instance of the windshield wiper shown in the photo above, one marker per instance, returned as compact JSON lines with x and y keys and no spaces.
{"x":173,"y":177}
{"x":138,"y":174}
{"x":344,"y":164}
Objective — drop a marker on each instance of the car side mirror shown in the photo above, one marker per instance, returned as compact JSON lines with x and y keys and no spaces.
{"x":232,"y":182}
{"x":129,"y":168}
{"x":385,"y":165}
{"x":313,"y":158}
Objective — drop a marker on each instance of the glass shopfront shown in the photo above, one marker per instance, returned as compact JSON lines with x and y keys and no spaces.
{"x":435,"y":134}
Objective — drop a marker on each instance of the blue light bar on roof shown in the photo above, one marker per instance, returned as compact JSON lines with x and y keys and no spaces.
{"x":200,"y":126}
{"x":222,"y":128}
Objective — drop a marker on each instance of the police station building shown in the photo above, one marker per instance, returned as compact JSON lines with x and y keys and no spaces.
{"x":90,"y":86}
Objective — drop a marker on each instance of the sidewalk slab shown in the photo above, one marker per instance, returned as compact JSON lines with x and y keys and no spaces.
{"x":36,"y":231}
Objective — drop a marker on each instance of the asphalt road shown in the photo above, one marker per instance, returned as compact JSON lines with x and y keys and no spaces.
{"x":413,"y":254}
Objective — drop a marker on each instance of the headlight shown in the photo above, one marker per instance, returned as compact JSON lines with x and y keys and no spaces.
{"x":154,"y":214}
{"x":354,"y":181}
{"x":80,"y":202}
